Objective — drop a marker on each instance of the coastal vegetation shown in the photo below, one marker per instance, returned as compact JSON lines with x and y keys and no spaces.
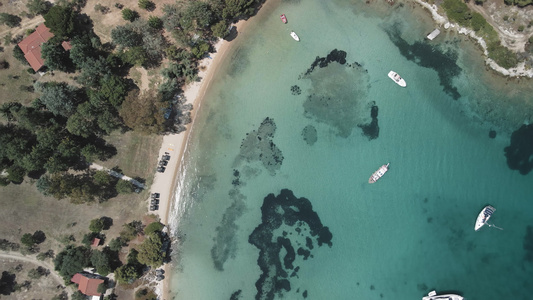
{"x":459,"y":12}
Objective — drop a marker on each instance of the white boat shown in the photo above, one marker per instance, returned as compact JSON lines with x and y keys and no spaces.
{"x":484,"y":216}
{"x":380,"y":172}
{"x":295,"y":36}
{"x":397,"y":78}
{"x":433,"y":296}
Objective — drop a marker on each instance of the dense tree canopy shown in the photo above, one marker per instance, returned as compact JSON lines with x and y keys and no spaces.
{"x":150,"y":251}
{"x":59,"y":97}
{"x":60,"y":20}
{"x":71,"y":261}
{"x":38,"y":7}
{"x":9,"y":20}
{"x":55,"y":57}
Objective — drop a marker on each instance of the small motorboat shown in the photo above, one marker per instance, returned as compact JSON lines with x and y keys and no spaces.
{"x":295,"y":36}
{"x":283,"y":18}
{"x":433,"y":296}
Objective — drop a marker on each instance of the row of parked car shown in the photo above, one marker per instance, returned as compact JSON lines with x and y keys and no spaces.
{"x":163,"y":162}
{"x":154,"y":201}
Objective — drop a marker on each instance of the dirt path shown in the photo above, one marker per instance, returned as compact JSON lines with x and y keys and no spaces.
{"x":32,"y":259}
{"x":28,"y":24}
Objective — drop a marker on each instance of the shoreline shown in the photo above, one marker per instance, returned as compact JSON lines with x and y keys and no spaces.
{"x":443,"y":21}
{"x":175,"y":144}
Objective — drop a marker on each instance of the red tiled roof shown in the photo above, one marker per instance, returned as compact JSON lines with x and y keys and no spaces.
{"x":31,"y":46}
{"x":96,"y":242}
{"x":87,"y":286}
{"x":66,"y":45}
{"x":76,"y":278}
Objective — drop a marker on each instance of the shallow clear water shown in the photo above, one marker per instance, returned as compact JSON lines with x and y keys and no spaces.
{"x":272,"y":122}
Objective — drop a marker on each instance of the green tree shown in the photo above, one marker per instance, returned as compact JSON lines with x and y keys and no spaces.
{"x":27,"y":240}
{"x":60,"y":20}
{"x":155,"y":22}
{"x":102,"y":287}
{"x":55,"y":57}
{"x":71,"y":261}
{"x":10,"y":20}
{"x":129,"y":15}
{"x":131,"y":230}
{"x":96,"y":225}
{"x":92,"y":70}
{"x":146,"y":4}
{"x":116,"y":244}
{"x":150,"y":252}
{"x":38,"y":272}
{"x":220,"y":29}
{"x":38,"y":7}
{"x":125,"y":36}
{"x":113,"y":88}
{"x":59,"y":97}
{"x":153,"y":228}
{"x":234,"y":9}
{"x":200,"y":49}
{"x":15,"y":174}
{"x":135,"y":56}
{"x":102,"y":261}
{"x":127,"y":273}
{"x":19,"y":55}
{"x":77,"y":295}
{"x":124,"y":187}
{"x":197,"y":14}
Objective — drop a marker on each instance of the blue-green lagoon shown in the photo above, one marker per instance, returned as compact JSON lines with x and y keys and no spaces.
{"x":274,"y":200}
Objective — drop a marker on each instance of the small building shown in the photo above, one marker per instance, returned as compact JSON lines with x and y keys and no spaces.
{"x":88,"y":283}
{"x":433,"y":34}
{"x":31,"y":46}
{"x":95,"y":242}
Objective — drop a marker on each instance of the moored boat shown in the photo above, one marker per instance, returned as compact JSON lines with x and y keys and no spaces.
{"x":379,"y":173}
{"x":283,"y":18}
{"x":295,"y":36}
{"x":433,"y":296}
{"x":397,"y":78}
{"x":484,"y":216}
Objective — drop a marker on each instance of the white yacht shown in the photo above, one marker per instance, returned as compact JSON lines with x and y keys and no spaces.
{"x":433,"y":296}
{"x":484,"y":216}
{"x":295,"y":36}
{"x":377,"y":175}
{"x":397,"y":78}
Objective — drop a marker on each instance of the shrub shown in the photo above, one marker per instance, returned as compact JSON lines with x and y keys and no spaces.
{"x":101,"y":8}
{"x":96,"y":225}
{"x":10,"y":20}
{"x":146,"y":4}
{"x":129,"y":15}
{"x":521,"y":28}
{"x":155,"y":22}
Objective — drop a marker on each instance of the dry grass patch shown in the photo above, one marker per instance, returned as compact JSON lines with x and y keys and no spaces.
{"x":42,"y":288}
{"x":15,"y":81}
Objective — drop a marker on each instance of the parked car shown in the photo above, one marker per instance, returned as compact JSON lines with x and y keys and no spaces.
{"x":155,"y":195}
{"x":163,"y":163}
{"x":152,"y":207}
{"x":161,"y":169}
{"x":166,"y":157}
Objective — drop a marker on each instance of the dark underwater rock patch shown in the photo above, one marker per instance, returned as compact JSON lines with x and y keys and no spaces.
{"x":444,"y":62}
{"x":310,"y":135}
{"x":338,"y":94}
{"x":492,"y":134}
{"x":258,"y":146}
{"x":290,"y":212}
{"x":225,"y":243}
{"x":322,"y":62}
{"x":236,"y":295}
{"x":519,"y":153}
{"x":295,"y":90}
{"x":371,"y":130}
{"x":528,"y":244}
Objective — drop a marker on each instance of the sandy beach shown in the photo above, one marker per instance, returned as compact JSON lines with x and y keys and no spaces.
{"x":175,"y":144}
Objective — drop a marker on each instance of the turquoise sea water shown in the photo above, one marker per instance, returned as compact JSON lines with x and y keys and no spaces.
{"x":272,"y":124}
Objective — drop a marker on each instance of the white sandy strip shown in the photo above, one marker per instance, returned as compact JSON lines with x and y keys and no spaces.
{"x":520,"y":70}
{"x":174,"y":144}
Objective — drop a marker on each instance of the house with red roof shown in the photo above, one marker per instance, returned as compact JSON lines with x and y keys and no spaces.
{"x":87,"y":283}
{"x":31,"y":46}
